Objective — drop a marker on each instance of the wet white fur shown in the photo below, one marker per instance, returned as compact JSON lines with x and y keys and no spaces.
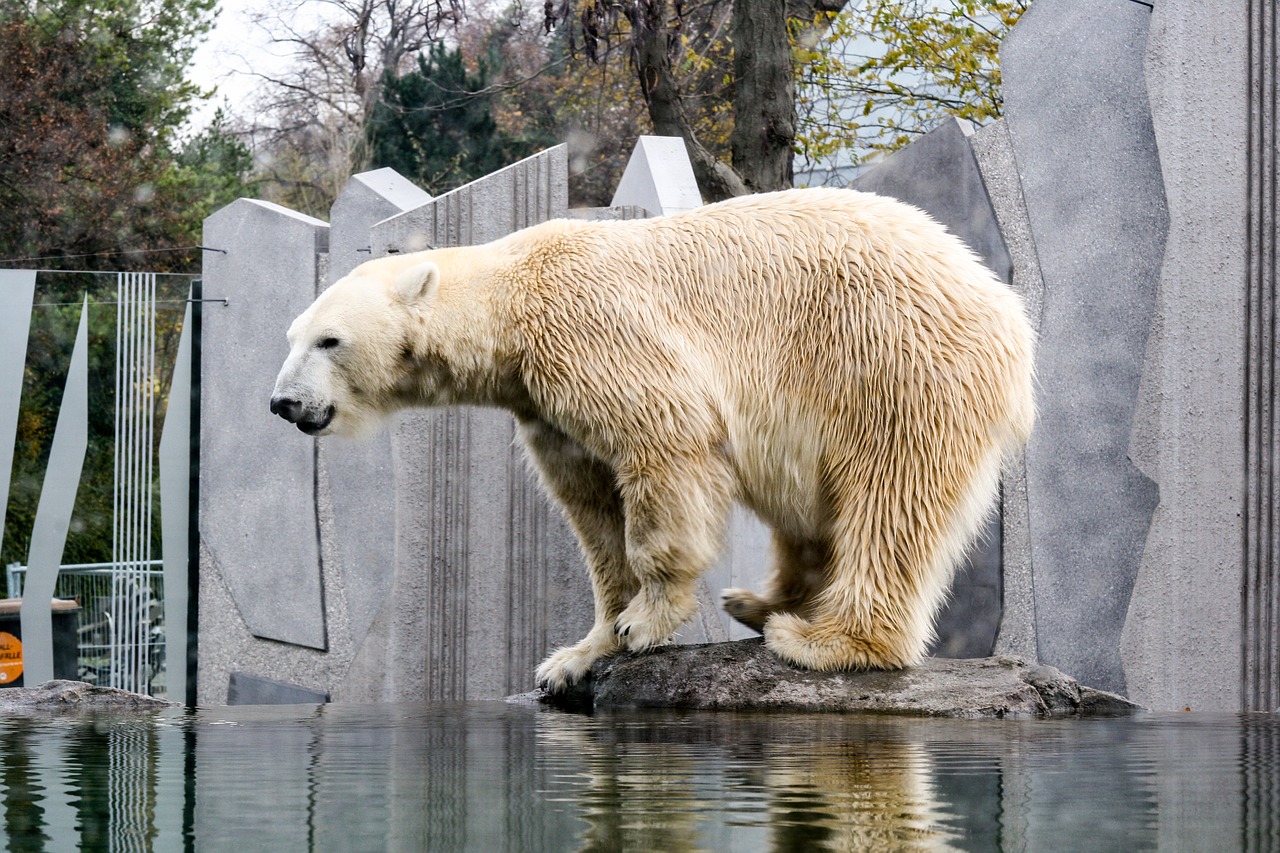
{"x":834,"y":360}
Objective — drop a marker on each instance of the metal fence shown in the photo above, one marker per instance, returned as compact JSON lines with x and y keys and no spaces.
{"x":91,"y":586}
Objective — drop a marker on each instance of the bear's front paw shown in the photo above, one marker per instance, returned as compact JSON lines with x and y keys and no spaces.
{"x":563,"y":669}
{"x":653,"y":615}
{"x":639,"y":636}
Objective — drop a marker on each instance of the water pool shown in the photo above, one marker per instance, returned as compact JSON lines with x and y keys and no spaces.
{"x":492,"y":776}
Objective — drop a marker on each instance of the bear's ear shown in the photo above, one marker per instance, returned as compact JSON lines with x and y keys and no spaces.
{"x":416,"y":283}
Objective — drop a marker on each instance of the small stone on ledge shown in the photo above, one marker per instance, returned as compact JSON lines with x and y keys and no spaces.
{"x":74,"y":697}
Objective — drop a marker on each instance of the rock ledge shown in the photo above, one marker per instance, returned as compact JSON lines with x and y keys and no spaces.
{"x":745,"y":676}
{"x":74,"y":697}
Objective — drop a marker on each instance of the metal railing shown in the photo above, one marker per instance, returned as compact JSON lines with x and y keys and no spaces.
{"x":90,"y":585}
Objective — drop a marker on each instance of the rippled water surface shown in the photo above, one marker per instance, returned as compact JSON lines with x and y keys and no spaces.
{"x":497,"y":777}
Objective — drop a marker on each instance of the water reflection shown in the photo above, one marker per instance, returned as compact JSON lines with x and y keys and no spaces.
{"x":744,"y":782}
{"x":494,"y":777}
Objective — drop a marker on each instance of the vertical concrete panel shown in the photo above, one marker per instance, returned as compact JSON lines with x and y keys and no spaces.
{"x":17,"y":292}
{"x":53,"y":512}
{"x":748,"y":554}
{"x":487,"y":574}
{"x":939,"y":174}
{"x":1076,"y":108}
{"x":1262,"y":437}
{"x":367,"y":199}
{"x":994,"y":152}
{"x":257,"y":493}
{"x":1181,"y":643}
{"x":175,"y":514}
{"x":534,"y":190}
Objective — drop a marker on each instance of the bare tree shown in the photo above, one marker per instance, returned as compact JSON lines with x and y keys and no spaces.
{"x":310,"y":126}
{"x":762,"y":86}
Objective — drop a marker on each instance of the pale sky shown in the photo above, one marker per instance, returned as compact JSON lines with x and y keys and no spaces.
{"x":234,"y":48}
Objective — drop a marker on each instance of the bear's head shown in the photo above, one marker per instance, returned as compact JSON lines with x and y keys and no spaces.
{"x":354,"y":355}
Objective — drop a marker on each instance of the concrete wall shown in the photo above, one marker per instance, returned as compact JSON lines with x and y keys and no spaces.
{"x":1126,"y":180}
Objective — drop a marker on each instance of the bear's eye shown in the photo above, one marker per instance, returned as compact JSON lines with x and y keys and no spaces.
{"x":328,"y":343}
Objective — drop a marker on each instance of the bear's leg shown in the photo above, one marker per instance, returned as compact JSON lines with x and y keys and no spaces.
{"x":587,"y":490}
{"x":798,"y":573}
{"x":677,"y":509}
{"x":893,"y":552}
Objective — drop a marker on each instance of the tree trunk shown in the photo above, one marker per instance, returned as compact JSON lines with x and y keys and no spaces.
{"x":649,"y":33}
{"x":764,"y":106}
{"x":764,"y":128}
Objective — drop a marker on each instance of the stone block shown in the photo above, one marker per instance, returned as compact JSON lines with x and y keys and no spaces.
{"x":746,"y":676}
{"x":1077,"y":113}
{"x":1183,"y":634}
{"x":658,"y":177}
{"x":524,"y":193}
{"x":257,"y":487}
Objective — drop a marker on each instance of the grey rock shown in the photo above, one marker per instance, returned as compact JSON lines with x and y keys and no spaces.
{"x":746,"y":676}
{"x":74,"y":697}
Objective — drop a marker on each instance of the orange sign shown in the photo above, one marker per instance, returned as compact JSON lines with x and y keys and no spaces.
{"x":10,"y":658}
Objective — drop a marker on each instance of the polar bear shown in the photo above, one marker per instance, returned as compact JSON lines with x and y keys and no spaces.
{"x":834,"y":360}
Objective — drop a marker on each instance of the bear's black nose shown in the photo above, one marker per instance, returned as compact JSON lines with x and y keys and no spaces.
{"x":290,"y":410}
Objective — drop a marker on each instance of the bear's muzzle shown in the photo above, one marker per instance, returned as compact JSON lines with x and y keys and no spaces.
{"x":310,"y":422}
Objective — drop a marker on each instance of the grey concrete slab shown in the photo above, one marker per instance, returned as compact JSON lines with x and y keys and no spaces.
{"x":993,"y":150}
{"x":1262,"y":563}
{"x":245,"y":689}
{"x":939,"y":173}
{"x":17,"y":292}
{"x":487,"y":577}
{"x":600,"y":214}
{"x":532,"y":190}
{"x":368,"y":198}
{"x":659,"y":177}
{"x":257,"y":492}
{"x":174,"y":460}
{"x":1076,"y":108}
{"x":1182,"y":638}
{"x":53,"y":512}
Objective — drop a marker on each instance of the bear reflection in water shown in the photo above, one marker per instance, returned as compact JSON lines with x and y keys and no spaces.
{"x":834,"y":360}
{"x":654,"y":787}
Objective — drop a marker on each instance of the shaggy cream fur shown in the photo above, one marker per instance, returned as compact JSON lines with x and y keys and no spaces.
{"x":834,"y":360}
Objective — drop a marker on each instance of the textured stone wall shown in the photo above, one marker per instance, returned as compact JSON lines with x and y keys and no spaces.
{"x":1138,"y":188}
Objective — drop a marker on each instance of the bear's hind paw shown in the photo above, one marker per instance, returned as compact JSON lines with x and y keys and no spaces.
{"x":827,"y":647}
{"x":746,"y":607}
